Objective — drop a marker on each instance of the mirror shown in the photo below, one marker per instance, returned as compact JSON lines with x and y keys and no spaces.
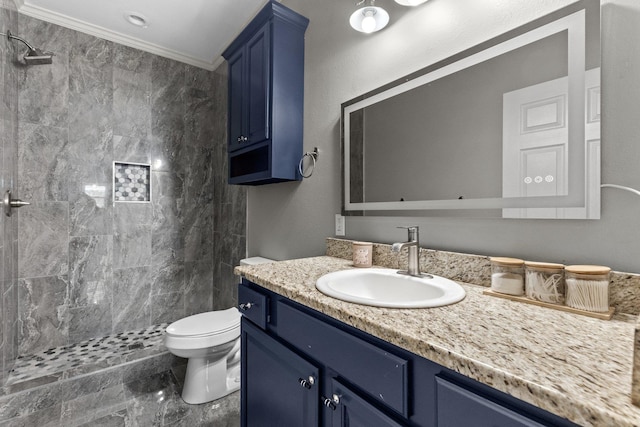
{"x":509,"y":128}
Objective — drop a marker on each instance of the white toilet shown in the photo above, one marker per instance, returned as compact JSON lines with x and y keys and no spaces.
{"x":211,"y":342}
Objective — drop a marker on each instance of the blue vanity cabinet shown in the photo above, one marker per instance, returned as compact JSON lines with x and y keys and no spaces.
{"x":279,"y":388}
{"x":305,"y":368}
{"x":265,"y":97}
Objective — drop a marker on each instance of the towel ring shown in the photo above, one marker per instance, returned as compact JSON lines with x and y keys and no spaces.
{"x":313,"y":155}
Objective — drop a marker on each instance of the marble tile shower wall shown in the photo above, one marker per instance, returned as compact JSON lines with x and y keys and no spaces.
{"x":8,"y":178}
{"x":89,"y":267}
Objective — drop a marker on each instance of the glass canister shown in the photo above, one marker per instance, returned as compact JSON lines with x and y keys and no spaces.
{"x":587,"y":287}
{"x":507,"y":275}
{"x":544,"y":281}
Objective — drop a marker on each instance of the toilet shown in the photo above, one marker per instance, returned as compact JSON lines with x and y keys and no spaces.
{"x":211,"y":342}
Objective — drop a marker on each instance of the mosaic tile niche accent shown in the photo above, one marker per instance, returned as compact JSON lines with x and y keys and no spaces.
{"x":131,"y":182}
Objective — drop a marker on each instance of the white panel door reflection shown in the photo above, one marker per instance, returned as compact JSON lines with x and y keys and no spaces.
{"x":535,"y":147}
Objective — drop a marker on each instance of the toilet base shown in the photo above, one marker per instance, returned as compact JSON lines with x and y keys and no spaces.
{"x":208,"y":380}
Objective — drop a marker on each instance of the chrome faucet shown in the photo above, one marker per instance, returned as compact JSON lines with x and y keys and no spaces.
{"x":413,"y":244}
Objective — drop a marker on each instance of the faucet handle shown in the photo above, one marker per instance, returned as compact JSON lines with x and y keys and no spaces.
{"x":413,"y":232}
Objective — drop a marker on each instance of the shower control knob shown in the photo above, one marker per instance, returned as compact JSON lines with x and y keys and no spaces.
{"x":17,"y":203}
{"x":8,"y":203}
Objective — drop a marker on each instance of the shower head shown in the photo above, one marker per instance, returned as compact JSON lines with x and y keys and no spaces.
{"x":33,"y":56}
{"x":37,"y":57}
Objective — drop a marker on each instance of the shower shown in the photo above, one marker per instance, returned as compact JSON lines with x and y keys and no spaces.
{"x":33,"y":56}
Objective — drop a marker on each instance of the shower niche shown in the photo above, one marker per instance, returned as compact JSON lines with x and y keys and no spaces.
{"x":131,"y":182}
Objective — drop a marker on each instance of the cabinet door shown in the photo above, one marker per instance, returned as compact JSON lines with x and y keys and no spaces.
{"x":237,"y":101}
{"x":279,"y":388}
{"x":350,"y":410}
{"x":259,"y":88}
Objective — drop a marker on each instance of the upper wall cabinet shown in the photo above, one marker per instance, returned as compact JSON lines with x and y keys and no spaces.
{"x":266,"y":84}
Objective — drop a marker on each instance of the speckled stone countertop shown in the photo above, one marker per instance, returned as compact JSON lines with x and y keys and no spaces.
{"x":574,"y":366}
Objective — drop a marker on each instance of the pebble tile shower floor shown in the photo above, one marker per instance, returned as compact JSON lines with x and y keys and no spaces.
{"x":95,"y":352}
{"x":126,"y":379}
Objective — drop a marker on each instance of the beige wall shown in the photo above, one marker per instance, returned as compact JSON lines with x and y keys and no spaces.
{"x":291,"y":220}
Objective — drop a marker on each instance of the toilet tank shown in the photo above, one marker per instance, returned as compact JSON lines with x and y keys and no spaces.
{"x":255,"y":260}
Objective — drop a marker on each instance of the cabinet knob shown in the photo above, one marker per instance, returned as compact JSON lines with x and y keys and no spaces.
{"x":308,"y":382}
{"x":332,"y":402}
{"x":245,"y":306}
{"x":242,"y":139}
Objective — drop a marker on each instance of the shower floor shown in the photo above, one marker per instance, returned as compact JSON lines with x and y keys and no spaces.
{"x":127,"y":379}
{"x":87,"y":356}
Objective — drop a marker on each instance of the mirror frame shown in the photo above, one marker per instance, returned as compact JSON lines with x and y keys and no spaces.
{"x":571,"y":19}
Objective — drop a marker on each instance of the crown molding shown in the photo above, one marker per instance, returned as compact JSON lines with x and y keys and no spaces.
{"x":104,"y":33}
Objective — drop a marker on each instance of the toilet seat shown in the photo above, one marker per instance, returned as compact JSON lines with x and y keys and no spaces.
{"x":205,"y":324}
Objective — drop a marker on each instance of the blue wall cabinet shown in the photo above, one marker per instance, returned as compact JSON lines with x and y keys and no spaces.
{"x":303,"y":368}
{"x":266,"y":84}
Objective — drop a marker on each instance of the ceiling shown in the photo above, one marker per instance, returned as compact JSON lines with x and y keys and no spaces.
{"x":194,"y":31}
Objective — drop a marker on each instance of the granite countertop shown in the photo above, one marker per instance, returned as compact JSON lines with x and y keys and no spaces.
{"x":574,"y":366}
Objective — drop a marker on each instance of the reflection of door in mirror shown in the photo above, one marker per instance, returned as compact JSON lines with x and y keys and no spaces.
{"x":535,"y":146}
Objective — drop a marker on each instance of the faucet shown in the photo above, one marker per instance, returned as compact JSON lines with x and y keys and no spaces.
{"x":413,"y":244}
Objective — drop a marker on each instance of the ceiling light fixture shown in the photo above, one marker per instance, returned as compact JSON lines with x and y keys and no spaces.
{"x":369,"y":19}
{"x":137,"y":19}
{"x":411,"y":2}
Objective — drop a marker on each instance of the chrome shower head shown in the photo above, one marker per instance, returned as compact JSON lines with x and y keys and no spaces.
{"x":33,"y":56}
{"x":37,"y":57}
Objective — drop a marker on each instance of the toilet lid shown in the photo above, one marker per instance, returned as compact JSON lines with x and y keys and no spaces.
{"x":209,"y":323}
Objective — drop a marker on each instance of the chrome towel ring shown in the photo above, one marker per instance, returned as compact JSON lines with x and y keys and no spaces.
{"x":313,"y":155}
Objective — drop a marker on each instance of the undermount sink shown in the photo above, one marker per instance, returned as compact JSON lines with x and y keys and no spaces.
{"x":383,"y":287}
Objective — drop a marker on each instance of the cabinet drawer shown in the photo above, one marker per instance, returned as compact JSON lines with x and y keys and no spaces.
{"x":253,"y":305}
{"x":379,"y":373}
{"x":458,"y":406}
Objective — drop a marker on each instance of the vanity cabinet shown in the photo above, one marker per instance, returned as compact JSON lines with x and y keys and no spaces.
{"x":265,"y":97}
{"x":278,"y":385}
{"x":303,"y":368}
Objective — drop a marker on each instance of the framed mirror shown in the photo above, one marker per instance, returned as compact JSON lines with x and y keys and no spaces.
{"x":509,"y":128}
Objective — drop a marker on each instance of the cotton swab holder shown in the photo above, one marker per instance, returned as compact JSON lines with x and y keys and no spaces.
{"x":587,"y":287}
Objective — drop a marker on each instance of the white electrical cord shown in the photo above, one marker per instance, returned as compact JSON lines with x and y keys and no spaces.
{"x":621,"y":187}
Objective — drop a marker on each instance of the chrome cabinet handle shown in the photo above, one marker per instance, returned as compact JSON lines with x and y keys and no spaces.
{"x":9,"y":203}
{"x":331,"y":403}
{"x":242,"y":138}
{"x":246,"y":306}
{"x":308,"y":382}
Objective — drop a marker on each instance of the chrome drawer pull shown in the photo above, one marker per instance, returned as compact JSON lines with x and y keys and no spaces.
{"x":246,"y":306}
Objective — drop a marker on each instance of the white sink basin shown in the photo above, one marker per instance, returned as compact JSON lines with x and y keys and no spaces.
{"x":383,"y":287}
